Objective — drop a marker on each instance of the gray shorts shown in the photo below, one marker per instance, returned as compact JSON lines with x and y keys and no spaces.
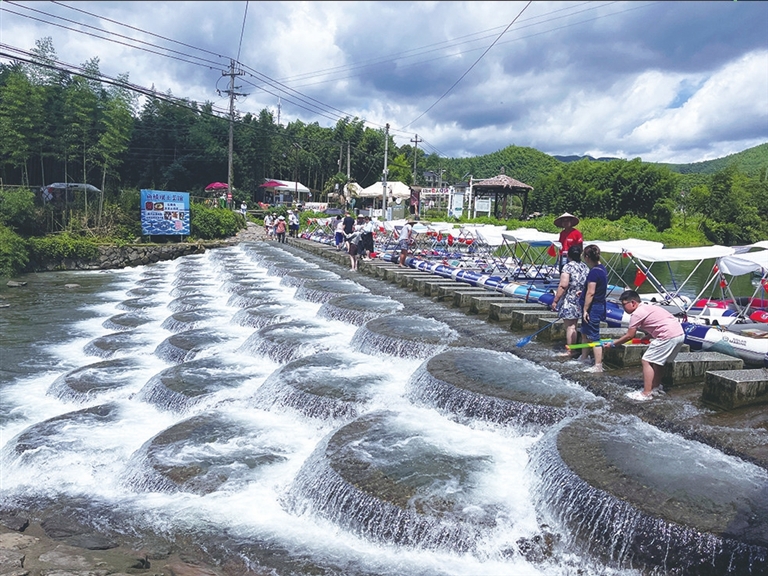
{"x":662,"y":351}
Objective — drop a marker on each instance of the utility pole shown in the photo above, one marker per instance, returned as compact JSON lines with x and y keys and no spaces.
{"x":384,"y":175}
{"x":349,"y":174}
{"x":415,"y":155}
{"x":232,"y":94}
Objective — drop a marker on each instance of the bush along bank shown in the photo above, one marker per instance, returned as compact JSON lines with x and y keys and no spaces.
{"x":110,"y":257}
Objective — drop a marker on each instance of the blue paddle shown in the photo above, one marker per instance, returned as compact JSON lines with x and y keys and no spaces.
{"x":523,"y":341}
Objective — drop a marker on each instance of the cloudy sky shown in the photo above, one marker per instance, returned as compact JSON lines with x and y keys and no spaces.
{"x":664,"y":81}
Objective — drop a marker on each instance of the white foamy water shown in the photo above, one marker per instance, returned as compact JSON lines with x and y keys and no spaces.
{"x":108,"y":446}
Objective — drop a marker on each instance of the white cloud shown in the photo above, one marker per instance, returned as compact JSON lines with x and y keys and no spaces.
{"x":648,"y":79}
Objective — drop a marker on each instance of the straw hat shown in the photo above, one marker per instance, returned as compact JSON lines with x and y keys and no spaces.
{"x":559,"y":220}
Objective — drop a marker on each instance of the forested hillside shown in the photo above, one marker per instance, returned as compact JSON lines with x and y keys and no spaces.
{"x":60,"y":127}
{"x":753,"y":162}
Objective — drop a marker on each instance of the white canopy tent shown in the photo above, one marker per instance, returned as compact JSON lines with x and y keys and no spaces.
{"x":696,"y":254}
{"x":288,"y":186}
{"x":394,"y":190}
{"x":740,"y":264}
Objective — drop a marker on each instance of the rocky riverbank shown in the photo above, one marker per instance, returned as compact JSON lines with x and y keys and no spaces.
{"x":56,"y":548}
{"x":114,"y":257}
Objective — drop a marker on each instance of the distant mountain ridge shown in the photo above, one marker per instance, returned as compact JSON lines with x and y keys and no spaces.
{"x":575,"y":158}
{"x":752,"y":161}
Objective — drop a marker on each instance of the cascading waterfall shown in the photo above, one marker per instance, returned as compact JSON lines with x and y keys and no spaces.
{"x":289,"y":420}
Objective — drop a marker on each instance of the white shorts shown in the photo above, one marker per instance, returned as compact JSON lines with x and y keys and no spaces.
{"x":662,"y":351}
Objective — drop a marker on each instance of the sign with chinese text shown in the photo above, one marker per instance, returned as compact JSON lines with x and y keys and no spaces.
{"x":164,"y":213}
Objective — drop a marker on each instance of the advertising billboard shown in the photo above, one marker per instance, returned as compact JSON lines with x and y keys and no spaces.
{"x":164,"y":213}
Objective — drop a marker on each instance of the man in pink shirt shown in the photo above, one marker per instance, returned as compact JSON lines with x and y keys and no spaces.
{"x":668,"y":338}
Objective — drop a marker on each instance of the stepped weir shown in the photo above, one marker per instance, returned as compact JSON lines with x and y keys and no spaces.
{"x":283,"y":415}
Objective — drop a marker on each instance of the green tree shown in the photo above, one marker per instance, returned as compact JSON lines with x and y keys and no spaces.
{"x":18,"y":211}
{"x":13,"y":252}
{"x":80,"y":117}
{"x":731,"y":210}
{"x":400,"y":170}
{"x":21,"y":114}
{"x":116,"y":126}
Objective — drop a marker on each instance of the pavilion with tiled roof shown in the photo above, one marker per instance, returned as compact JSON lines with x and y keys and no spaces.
{"x":502,"y":186}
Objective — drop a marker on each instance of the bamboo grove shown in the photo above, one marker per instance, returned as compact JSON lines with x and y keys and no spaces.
{"x":57,"y":126}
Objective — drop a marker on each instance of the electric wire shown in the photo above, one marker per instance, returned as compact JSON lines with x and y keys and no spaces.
{"x":472,"y":66}
{"x":202,"y":62}
{"x":270,"y":80}
{"x":310,"y":104}
{"x":242,"y":31}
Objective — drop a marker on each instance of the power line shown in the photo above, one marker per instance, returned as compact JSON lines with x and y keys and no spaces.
{"x":23,"y":56}
{"x":202,"y":62}
{"x":135,"y":29}
{"x":470,"y":68}
{"x":242,"y":31}
{"x":301,"y":100}
{"x":451,"y":43}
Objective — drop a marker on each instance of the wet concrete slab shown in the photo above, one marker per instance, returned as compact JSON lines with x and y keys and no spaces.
{"x":729,"y":389}
{"x":742,"y":431}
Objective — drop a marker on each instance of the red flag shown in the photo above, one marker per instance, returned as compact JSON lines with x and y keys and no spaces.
{"x":715,"y":269}
{"x":450,"y":240}
{"x":640,"y":277}
{"x":439,"y":237}
{"x":552,"y":251}
{"x":723,"y":283}
{"x":764,"y":283}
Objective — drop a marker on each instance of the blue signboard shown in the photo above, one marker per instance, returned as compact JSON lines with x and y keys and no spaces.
{"x":164,"y":213}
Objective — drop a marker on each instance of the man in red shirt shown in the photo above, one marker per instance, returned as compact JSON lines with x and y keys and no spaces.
{"x":569,"y":236}
{"x":668,"y":337}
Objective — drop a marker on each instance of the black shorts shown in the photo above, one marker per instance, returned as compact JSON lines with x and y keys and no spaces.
{"x":368,"y":242}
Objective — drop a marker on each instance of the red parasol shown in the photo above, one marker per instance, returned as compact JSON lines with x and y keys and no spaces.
{"x":273,"y":184}
{"x":217,"y":186}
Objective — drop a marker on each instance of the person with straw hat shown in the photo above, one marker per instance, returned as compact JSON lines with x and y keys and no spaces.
{"x":569,"y":235}
{"x":405,"y":240}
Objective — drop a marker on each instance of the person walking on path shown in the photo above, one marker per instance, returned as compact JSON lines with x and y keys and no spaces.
{"x":668,"y":338}
{"x":293,"y":224}
{"x":404,"y":241}
{"x":280,"y":229}
{"x":338,"y":234}
{"x":269,"y":227}
{"x":566,"y":301}
{"x":569,"y":236}
{"x":353,"y":247}
{"x":349,"y":223}
{"x":593,"y":306}
{"x":366,"y":238}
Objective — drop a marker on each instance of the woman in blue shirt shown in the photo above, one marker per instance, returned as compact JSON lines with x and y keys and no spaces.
{"x":593,"y":306}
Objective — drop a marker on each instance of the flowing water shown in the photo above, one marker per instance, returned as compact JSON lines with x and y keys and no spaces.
{"x":282,"y":418}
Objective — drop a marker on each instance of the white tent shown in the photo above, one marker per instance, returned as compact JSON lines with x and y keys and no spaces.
{"x":394,"y":190}
{"x":288,"y":186}
{"x":739,"y":264}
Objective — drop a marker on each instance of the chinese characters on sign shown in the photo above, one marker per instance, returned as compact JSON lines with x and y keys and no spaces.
{"x":164,"y":213}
